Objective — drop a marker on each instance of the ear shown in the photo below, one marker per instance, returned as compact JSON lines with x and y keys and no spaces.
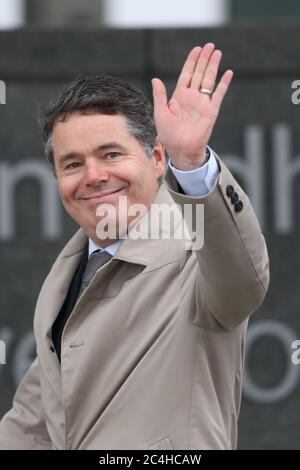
{"x":158,"y":158}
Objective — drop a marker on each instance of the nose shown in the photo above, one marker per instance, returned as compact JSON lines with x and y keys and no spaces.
{"x":95,"y":174}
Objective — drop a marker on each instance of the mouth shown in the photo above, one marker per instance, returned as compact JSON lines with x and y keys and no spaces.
{"x":101,"y":196}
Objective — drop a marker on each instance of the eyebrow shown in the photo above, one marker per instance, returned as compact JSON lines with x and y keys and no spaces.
{"x":108,"y":146}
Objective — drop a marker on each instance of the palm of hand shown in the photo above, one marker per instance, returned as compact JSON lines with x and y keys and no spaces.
{"x":185,"y":123}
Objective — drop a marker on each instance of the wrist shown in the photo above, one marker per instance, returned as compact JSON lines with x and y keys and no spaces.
{"x":185,"y":163}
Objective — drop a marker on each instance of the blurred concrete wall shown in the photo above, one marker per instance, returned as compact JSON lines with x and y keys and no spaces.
{"x":257,"y":134}
{"x":64,"y":13}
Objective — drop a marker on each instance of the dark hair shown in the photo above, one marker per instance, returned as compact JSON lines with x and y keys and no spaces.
{"x":101,"y":94}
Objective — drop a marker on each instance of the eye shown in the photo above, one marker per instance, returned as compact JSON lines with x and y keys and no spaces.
{"x":112,"y":155}
{"x":72,"y":166}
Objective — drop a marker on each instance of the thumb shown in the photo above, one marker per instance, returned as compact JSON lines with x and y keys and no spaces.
{"x":160,"y":99}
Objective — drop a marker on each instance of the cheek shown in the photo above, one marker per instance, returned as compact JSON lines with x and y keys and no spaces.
{"x":132,"y":175}
{"x":68,"y":185}
{"x":67,"y":190}
{"x":137,"y":176}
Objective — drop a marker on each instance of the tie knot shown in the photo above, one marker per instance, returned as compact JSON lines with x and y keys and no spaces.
{"x":96,"y":261}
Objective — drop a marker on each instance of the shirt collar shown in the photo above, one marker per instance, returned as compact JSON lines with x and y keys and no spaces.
{"x":111,"y":249}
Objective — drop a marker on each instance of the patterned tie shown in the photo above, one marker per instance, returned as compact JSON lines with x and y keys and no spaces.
{"x":97,"y":259}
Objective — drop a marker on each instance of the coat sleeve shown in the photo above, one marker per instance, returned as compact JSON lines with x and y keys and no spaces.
{"x":23,"y":426}
{"x":233,"y":262}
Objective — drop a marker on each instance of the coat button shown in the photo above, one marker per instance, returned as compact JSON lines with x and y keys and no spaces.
{"x":229,"y":190}
{"x":238,"y":206}
{"x":235,"y":198}
{"x":52,"y":349}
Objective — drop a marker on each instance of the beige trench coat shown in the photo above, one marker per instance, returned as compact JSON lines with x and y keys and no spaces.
{"x":152,"y":354}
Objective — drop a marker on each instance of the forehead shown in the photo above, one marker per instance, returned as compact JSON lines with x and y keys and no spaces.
{"x":89,"y":129}
{"x":85,"y":122}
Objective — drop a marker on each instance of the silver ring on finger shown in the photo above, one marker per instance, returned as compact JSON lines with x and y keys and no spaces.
{"x":206,"y":91}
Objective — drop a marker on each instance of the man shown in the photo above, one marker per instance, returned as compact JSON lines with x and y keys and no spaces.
{"x":146,"y":353}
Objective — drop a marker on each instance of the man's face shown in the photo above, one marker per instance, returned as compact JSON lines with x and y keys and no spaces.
{"x":96,"y":161}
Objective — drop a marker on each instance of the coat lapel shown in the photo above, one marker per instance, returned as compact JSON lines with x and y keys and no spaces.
{"x":56,"y":285}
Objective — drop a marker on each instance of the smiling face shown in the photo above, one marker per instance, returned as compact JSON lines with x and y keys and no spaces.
{"x":96,"y":161}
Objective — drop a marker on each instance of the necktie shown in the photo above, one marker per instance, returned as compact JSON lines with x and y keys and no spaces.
{"x":97,"y":259}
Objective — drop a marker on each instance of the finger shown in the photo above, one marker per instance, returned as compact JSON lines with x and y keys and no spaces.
{"x":201,"y":65}
{"x":211,"y":72}
{"x":160,"y":98}
{"x":188,"y":68}
{"x":222,"y":88}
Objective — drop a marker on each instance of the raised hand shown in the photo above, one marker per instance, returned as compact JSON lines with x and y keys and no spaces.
{"x":185,"y":123}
